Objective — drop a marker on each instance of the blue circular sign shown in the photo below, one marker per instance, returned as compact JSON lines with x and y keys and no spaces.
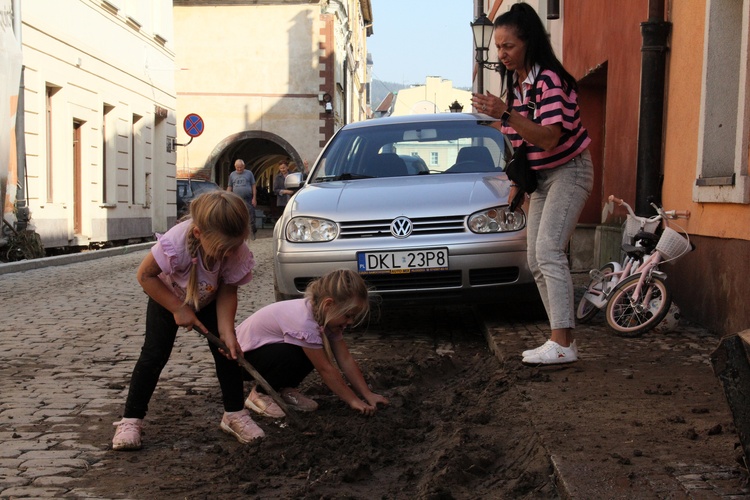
{"x":193,"y":125}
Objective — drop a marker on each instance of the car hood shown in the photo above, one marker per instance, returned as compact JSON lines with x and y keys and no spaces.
{"x":415,"y":196}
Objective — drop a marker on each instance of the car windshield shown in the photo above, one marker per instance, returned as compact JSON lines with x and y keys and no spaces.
{"x":405,"y":149}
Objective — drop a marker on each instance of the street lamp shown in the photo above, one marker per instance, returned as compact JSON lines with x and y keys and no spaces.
{"x":455,"y":107}
{"x":483,"y":28}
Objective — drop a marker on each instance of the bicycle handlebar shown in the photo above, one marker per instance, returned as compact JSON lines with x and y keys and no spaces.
{"x":671,"y":214}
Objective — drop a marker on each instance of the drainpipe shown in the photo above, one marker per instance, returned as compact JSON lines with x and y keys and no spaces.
{"x":22,"y":208}
{"x":655,"y":33}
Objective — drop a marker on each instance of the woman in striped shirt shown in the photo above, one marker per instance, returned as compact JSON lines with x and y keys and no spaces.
{"x":541,"y":109}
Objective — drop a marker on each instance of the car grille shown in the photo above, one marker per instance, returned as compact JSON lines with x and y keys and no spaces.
{"x":421,"y":226}
{"x":434,"y":280}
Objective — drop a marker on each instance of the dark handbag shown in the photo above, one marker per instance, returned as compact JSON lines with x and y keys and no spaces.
{"x":519,"y":172}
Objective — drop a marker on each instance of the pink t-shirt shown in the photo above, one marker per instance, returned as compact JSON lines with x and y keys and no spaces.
{"x":289,"y":321}
{"x":173,"y":257}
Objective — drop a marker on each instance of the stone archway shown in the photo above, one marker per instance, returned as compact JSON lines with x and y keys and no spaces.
{"x":261,"y":151}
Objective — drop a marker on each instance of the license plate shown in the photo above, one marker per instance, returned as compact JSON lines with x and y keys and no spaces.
{"x":405,"y":261}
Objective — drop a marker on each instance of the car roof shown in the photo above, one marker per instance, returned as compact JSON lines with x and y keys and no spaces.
{"x":425,"y":118}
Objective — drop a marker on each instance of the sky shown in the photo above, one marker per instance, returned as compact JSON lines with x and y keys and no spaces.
{"x":414,"y":39}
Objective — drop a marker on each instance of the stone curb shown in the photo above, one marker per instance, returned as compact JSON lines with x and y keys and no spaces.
{"x":61,"y":260}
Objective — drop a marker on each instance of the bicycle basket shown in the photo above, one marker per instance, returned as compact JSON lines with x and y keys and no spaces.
{"x":672,"y":244}
{"x":635,"y":224}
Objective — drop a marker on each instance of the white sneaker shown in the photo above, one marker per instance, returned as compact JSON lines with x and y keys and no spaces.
{"x":530,"y":352}
{"x":552,"y":353}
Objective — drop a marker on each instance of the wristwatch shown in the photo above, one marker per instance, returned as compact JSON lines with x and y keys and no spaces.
{"x":504,"y":117}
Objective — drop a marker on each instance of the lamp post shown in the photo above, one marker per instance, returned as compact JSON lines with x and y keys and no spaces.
{"x":482,"y":28}
{"x":456,"y":107}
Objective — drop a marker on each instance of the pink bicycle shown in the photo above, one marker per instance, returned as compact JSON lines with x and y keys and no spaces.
{"x":640,"y":301}
{"x":638,"y":241}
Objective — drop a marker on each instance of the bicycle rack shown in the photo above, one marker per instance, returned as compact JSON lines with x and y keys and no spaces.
{"x":731,"y":364}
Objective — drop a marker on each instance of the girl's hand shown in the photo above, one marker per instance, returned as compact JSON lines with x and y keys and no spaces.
{"x":185,"y":316}
{"x":375,"y":399}
{"x":230,"y":340}
{"x":363,"y":407}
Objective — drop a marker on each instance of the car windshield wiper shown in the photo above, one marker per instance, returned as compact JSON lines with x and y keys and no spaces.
{"x":346,"y":176}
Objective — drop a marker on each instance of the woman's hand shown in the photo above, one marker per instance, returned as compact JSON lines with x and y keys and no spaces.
{"x":489,"y":104}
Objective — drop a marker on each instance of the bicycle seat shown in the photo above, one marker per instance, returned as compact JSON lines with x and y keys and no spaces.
{"x":634,"y":251}
{"x":646,"y":240}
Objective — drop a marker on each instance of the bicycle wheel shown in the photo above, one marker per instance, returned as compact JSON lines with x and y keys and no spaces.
{"x":596,"y":288}
{"x":629,"y":319}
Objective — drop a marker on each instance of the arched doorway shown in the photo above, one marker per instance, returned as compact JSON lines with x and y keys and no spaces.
{"x":261,"y":152}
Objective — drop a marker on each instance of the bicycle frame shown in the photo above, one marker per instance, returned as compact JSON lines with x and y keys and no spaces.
{"x":649,"y":266}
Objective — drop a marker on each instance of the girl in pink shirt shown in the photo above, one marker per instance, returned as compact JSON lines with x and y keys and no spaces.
{"x":191,"y":276}
{"x":286,"y":340}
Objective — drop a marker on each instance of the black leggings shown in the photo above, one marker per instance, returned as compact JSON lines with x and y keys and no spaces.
{"x":282,"y":365}
{"x":161,"y":331}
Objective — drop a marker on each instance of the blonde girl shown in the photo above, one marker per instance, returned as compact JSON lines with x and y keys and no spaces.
{"x":286,"y":340}
{"x":191,"y":277}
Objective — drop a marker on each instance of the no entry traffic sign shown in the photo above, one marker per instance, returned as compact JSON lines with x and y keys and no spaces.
{"x":193,"y":125}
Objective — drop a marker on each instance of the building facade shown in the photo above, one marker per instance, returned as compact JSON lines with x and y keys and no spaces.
{"x":270,"y":79}
{"x":98,"y":112}
{"x":664,"y":91}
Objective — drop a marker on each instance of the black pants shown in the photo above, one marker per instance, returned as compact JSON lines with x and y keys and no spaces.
{"x":161,"y":331}
{"x":282,"y":365}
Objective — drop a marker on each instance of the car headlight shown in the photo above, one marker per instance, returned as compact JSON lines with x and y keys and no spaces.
{"x":496,"y":220}
{"x":310,"y":230}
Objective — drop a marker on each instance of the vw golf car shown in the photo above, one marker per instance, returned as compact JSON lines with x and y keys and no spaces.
{"x":443,"y":231}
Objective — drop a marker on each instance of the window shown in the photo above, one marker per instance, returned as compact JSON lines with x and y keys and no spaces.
{"x":721,"y":171}
{"x":136,"y":162}
{"x":109,"y":139}
{"x":48,"y":125}
{"x":434,"y":158}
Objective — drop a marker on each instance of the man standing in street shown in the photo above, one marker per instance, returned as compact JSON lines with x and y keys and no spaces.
{"x":242,"y":183}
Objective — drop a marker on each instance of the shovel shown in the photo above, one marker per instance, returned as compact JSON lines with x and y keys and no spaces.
{"x":259,"y":378}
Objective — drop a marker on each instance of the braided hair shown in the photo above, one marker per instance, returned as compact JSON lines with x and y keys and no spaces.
{"x":223,"y":222}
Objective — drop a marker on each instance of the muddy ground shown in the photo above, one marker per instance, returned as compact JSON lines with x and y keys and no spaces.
{"x":461,"y":424}
{"x":453,"y":430}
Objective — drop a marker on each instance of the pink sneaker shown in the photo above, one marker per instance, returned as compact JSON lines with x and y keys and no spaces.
{"x":241,"y":426}
{"x":128,"y":434}
{"x":296,"y":399}
{"x":263,"y":404}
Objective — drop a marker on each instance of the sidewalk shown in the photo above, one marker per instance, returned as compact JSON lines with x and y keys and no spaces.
{"x":61,"y":260}
{"x":633,"y":418}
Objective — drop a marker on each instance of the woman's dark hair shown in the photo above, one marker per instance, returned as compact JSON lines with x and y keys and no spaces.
{"x":525,"y":22}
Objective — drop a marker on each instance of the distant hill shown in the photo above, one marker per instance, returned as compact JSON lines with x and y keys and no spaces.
{"x":380,"y":89}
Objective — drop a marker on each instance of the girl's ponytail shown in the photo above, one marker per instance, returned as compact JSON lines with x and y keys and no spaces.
{"x":192,"y":295}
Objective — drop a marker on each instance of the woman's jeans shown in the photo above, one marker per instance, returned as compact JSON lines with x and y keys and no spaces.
{"x":161,"y":331}
{"x":554,"y":209}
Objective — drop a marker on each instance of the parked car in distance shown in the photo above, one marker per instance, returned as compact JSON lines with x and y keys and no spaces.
{"x":188,"y":189}
{"x":415,"y":234}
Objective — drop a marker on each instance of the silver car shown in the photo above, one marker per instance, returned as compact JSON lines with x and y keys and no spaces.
{"x":412,"y":233}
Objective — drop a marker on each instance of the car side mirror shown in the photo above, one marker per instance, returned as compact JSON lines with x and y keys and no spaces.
{"x":293,"y":181}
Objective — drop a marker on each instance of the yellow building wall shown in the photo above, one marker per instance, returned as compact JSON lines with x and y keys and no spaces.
{"x":682,"y":119}
{"x":247,"y":68}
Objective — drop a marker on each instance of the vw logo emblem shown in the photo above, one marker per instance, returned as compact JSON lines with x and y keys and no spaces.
{"x":401,"y":227}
